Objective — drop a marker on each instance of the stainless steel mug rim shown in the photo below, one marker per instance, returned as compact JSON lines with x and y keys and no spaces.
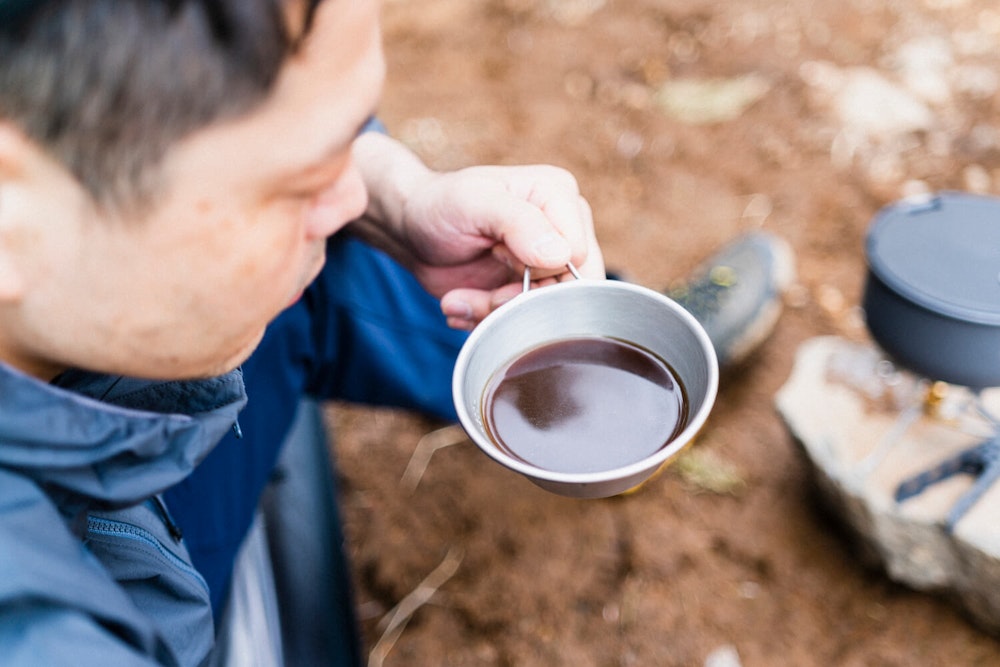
{"x":695,"y":421}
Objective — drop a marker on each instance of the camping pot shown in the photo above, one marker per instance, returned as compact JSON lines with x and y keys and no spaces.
{"x":932,"y":295}
{"x":587,"y":308}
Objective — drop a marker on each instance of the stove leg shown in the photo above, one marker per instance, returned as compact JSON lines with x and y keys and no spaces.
{"x":981,"y":461}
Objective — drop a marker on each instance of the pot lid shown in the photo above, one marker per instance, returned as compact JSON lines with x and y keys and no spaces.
{"x":942,"y":252}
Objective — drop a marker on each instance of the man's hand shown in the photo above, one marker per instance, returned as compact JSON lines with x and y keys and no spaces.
{"x":467,"y":235}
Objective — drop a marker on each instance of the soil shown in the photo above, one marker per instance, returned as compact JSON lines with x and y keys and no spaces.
{"x":687,"y":569}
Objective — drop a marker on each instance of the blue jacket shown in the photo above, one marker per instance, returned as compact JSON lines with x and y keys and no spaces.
{"x":365,"y":332}
{"x":92,"y":569}
{"x":90,"y":573}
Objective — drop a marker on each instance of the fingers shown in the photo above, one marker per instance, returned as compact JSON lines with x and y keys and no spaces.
{"x":557,"y":194}
{"x":556,"y":228}
{"x":527,"y":236}
{"x":589,"y":262}
{"x":465,"y":308}
{"x":477,"y":229}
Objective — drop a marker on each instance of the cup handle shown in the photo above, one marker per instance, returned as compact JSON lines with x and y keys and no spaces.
{"x":527,"y":276}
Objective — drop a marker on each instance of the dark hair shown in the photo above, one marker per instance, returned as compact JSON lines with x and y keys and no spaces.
{"x":107,"y":86}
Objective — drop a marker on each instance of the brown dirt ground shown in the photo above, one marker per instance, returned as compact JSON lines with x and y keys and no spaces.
{"x":671,"y":573}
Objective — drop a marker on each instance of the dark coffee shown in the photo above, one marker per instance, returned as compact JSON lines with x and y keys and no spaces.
{"x":584,"y":405}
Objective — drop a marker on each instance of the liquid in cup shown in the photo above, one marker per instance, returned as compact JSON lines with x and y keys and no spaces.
{"x":584,"y":405}
{"x":577,"y":309}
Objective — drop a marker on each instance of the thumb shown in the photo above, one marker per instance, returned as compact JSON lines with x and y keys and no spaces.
{"x":529,"y":237}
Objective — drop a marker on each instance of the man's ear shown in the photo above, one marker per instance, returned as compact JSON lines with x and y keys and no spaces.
{"x":15,"y":149}
{"x":15,"y":154}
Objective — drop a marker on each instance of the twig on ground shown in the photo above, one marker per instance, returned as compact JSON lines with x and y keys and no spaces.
{"x":395,"y":621}
{"x":422,"y":453}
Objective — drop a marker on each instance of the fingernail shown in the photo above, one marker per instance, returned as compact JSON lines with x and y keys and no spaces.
{"x":551,"y":246}
{"x":458,"y":309}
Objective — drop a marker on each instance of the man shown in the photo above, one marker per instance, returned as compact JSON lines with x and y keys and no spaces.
{"x":170,"y":174}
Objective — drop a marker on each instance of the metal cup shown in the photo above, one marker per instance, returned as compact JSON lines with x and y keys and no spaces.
{"x":576,"y":309}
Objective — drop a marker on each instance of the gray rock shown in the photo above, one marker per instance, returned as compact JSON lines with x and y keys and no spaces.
{"x":865,"y":426}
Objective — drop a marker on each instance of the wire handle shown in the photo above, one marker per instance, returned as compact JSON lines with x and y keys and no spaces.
{"x":527,"y":276}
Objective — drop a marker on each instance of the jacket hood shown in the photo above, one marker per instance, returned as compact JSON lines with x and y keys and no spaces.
{"x":113,"y":440}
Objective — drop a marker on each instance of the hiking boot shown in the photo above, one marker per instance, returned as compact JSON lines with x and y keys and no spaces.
{"x":737,"y":294}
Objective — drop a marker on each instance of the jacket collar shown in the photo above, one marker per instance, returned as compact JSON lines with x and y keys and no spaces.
{"x":112,"y":441}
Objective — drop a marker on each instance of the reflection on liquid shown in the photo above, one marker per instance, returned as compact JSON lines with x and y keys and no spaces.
{"x":545,"y":398}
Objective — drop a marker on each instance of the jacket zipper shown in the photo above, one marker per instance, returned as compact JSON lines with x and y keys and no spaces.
{"x":112,"y":528}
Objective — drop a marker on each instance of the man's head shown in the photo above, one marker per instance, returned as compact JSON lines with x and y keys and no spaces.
{"x":169,"y":172}
{"x":107,"y":86}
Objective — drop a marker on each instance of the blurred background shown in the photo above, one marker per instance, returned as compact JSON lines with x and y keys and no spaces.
{"x":686,"y":123}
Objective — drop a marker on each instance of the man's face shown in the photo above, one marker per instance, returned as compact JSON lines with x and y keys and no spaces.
{"x":237,"y":232}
